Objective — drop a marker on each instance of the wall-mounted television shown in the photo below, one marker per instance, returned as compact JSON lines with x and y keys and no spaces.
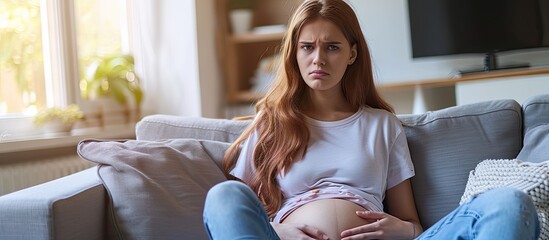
{"x":449,"y":27}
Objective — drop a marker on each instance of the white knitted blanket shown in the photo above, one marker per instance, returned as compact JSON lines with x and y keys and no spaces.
{"x":531,"y":178}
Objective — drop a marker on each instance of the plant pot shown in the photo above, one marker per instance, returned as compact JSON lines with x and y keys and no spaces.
{"x":56,"y":126}
{"x":112,"y":112}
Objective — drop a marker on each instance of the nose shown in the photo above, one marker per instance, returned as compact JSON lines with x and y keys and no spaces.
{"x":319,"y":59}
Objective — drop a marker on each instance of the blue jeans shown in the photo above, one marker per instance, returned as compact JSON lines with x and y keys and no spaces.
{"x":502,"y":213}
{"x":233,"y":211}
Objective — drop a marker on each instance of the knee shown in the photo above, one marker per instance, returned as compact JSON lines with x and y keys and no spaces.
{"x":225,"y":197}
{"x":511,"y":201}
{"x":516,"y":207}
{"x":506,"y":197}
{"x":228,"y":192}
{"x":507,"y":207}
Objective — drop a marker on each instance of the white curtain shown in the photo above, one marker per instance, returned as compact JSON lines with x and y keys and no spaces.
{"x":166,"y":56}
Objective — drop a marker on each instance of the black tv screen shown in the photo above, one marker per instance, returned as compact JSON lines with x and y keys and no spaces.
{"x":448,"y":27}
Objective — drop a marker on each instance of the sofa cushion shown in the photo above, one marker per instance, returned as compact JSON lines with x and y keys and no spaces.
{"x":536,"y":144}
{"x":157,"y":127}
{"x":157,"y":188}
{"x":535,"y":111}
{"x":446,"y":144}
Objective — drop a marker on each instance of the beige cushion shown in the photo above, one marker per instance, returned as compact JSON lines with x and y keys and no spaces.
{"x":157,"y":188}
{"x":158,"y":126}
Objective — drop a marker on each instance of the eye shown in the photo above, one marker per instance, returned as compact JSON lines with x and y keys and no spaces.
{"x":333,"y":47}
{"x":307,"y":47}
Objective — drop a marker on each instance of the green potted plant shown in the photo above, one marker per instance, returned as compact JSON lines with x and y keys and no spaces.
{"x":58,"y":119}
{"x":113,"y":77}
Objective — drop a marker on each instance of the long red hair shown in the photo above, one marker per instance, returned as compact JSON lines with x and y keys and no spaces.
{"x":283,"y":133}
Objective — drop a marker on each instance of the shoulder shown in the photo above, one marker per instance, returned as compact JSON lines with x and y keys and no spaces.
{"x":379,"y":114}
{"x":381,"y":120}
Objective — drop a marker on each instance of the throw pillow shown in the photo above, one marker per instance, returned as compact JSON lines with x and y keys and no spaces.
{"x":157,"y":188}
{"x":536,"y":144}
{"x":531,"y":178}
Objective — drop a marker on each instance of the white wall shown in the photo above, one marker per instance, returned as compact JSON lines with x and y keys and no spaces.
{"x":385,"y":25}
{"x":211,"y":84}
{"x":166,"y":56}
{"x":175,"y":50}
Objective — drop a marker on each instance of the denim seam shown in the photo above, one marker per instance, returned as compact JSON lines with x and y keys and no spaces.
{"x":464,"y":213}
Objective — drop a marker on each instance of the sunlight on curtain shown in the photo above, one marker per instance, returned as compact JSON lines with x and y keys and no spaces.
{"x":166,"y":56}
{"x":100,"y":29}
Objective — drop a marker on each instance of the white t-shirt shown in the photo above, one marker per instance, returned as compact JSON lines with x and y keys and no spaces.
{"x":357,"y":158}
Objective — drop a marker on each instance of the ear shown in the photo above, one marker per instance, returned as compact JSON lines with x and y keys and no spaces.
{"x":354,"y":53}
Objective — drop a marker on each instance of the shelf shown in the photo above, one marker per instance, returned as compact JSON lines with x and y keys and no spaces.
{"x":256,"y":37}
{"x":442,"y":82}
{"x":241,"y":54}
{"x":245,"y":97}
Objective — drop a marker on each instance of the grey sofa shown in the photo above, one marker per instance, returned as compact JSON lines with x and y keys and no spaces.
{"x":445,"y":146}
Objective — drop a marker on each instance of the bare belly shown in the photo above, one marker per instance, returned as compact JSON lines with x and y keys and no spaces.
{"x":332,"y":216}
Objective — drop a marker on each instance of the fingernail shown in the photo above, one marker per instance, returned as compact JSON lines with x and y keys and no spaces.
{"x":325,"y":237}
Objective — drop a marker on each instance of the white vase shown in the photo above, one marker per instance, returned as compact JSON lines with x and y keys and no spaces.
{"x":241,"y":20}
{"x":56,"y":126}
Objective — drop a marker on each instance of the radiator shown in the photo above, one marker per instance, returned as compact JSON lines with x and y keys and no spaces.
{"x":17,"y":176}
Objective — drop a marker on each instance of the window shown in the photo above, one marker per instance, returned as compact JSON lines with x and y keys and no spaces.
{"x":22,"y":81}
{"x":46,"y":45}
{"x":101,"y":28}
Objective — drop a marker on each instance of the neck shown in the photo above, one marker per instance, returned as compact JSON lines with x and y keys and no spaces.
{"x":327,"y":106}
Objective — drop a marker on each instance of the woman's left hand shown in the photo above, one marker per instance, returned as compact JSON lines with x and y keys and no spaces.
{"x":382,"y":226}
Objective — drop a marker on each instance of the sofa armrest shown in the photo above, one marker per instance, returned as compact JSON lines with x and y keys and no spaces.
{"x":157,"y":127}
{"x":72,"y":207}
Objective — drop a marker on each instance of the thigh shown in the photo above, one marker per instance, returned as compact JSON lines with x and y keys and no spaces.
{"x":455,"y":225}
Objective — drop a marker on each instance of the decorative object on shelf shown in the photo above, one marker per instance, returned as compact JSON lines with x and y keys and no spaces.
{"x":241,"y":16}
{"x":241,"y":20}
{"x":264,"y":74}
{"x":113,"y":78}
{"x":58,"y":119}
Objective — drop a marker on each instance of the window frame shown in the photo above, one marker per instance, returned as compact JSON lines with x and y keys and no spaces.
{"x":61,"y":64}
{"x":60,"y":36}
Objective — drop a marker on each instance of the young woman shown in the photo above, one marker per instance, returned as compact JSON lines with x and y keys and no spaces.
{"x":325,"y":156}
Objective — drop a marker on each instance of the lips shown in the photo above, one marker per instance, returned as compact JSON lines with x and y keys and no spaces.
{"x":318,"y":74}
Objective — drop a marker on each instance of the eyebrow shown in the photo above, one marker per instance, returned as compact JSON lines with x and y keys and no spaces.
{"x":330,"y":42}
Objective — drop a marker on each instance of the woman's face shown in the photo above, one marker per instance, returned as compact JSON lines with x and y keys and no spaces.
{"x":323,"y":54}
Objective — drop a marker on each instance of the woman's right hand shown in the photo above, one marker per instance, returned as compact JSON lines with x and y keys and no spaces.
{"x":298,"y":231}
